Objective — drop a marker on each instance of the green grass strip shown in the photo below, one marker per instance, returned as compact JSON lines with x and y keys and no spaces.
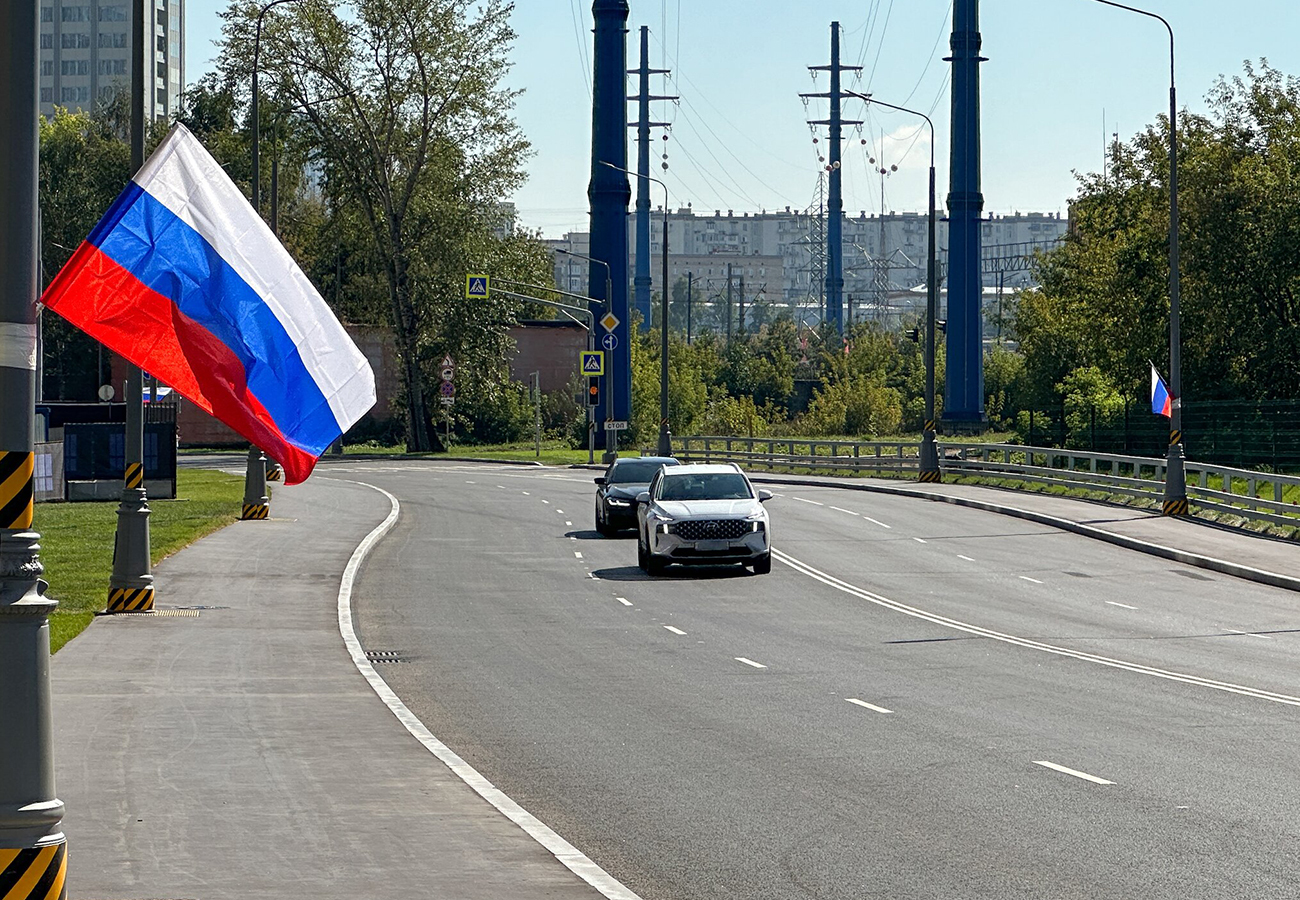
{"x":77,"y":541}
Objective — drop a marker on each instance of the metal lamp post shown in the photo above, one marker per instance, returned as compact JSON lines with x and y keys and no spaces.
{"x":591,"y":345}
{"x":665,"y":447}
{"x":1175,"y":500}
{"x":929,"y":443}
{"x":256,"y":502}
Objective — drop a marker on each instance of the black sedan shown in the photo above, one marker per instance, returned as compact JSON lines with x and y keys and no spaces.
{"x":616,"y":494}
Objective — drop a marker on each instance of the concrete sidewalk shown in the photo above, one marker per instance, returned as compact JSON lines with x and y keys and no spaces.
{"x":238,"y":752}
{"x":1220,"y":548}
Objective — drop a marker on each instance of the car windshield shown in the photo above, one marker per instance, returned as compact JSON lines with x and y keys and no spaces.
{"x":710,"y":486}
{"x":634,"y":472}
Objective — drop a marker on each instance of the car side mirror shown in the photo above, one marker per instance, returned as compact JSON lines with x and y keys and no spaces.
{"x":643,"y":497}
{"x":599,"y":479}
{"x":764,"y":495}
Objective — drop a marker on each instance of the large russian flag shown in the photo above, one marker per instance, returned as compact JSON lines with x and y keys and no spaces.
{"x":183,"y":278}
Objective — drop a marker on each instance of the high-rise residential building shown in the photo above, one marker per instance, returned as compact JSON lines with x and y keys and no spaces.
{"x":86,"y":53}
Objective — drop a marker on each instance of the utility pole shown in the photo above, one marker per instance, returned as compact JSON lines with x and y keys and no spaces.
{"x":641,"y":283}
{"x":740,"y":319}
{"x":835,"y":201}
{"x":608,"y":193}
{"x":690,"y":291}
{"x":963,"y":404}
{"x":130,"y":587}
{"x":729,"y":303}
{"x":31,"y":837}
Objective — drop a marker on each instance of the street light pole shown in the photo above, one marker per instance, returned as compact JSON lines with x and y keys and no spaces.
{"x":665,"y":447}
{"x":32,"y":843}
{"x":256,"y":503}
{"x":591,"y":345}
{"x":930,"y":471}
{"x":1175,"y":500}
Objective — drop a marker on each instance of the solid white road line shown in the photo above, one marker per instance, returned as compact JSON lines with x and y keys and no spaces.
{"x":750,"y":662}
{"x":1123,"y":605}
{"x":1075,"y":772}
{"x":1027,"y":578}
{"x":624,"y":601}
{"x":967,"y":558}
{"x":577,"y":862}
{"x":674,"y":630}
{"x":802,"y":500}
{"x":1029,"y":643}
{"x":871,"y":706}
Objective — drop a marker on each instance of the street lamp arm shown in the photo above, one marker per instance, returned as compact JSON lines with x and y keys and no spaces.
{"x":870,"y":99}
{"x":1149,"y":14}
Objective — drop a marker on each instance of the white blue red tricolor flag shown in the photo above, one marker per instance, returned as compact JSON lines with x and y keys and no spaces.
{"x":1161,"y":403}
{"x":183,"y":278}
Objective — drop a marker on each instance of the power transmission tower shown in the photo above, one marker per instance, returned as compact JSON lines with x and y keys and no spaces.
{"x":835,"y":214}
{"x":641,"y":283}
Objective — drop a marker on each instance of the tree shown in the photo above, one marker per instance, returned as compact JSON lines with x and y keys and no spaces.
{"x":413,"y":131}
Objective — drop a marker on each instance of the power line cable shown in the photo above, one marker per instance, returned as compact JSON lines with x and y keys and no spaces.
{"x":582,"y":47}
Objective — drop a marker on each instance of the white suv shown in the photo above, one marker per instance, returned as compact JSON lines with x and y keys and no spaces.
{"x":703,"y":515}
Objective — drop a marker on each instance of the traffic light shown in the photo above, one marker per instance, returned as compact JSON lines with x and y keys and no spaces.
{"x":593,"y":391}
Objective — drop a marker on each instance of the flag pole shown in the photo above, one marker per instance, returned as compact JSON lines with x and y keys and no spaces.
{"x":130,"y":587}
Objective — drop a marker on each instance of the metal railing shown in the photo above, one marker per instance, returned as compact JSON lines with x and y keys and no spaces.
{"x":1252,"y":494}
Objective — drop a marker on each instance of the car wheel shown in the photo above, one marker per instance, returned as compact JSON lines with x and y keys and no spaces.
{"x":602,"y":526}
{"x":763,"y":565}
{"x":655,"y":565}
{"x":642,"y":555}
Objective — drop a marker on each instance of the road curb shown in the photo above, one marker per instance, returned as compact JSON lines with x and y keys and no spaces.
{"x":1221,"y":566}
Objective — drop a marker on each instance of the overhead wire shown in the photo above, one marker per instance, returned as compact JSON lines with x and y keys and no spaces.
{"x":582,"y":47}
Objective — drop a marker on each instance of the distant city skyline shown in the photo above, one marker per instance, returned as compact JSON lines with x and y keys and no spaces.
{"x":1061,"y":76}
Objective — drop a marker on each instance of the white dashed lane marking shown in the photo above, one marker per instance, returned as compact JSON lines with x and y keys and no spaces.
{"x":750,"y":662}
{"x":674,"y":630}
{"x":866,"y":705}
{"x":1075,"y":772}
{"x":624,"y":601}
{"x":813,"y":502}
{"x":1122,"y":605}
{"x":577,"y":554}
{"x":1027,"y":578}
{"x":920,"y":540}
{"x":849,"y":511}
{"x":967,"y":558}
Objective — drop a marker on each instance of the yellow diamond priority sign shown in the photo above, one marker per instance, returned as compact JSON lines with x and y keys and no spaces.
{"x":609,"y":321}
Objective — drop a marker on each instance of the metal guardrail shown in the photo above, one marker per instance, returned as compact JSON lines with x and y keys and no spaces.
{"x":1248,"y":493}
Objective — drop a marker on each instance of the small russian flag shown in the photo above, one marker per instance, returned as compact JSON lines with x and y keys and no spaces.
{"x":1161,"y":404}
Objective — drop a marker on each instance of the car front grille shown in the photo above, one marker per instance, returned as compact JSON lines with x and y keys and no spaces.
{"x":712,"y":529}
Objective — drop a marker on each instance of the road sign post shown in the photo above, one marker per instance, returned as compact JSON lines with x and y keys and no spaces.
{"x":32,"y":846}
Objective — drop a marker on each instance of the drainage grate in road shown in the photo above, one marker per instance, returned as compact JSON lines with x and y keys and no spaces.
{"x":176,"y":612}
{"x":386,"y":656}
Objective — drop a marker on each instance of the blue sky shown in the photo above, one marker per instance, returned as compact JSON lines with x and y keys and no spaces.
{"x":1056,"y":70}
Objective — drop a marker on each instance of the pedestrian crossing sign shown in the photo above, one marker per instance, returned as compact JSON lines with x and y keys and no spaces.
{"x":477,"y":287}
{"x":593,"y":362}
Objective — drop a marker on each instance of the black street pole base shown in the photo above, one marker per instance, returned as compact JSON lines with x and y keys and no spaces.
{"x":130,"y":587}
{"x":930,"y":472}
{"x":665,"y":447}
{"x":257,"y":505}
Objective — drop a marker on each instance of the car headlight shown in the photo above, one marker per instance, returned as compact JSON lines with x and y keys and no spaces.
{"x":757,"y":525}
{"x":614,"y":501}
{"x":663,"y":527}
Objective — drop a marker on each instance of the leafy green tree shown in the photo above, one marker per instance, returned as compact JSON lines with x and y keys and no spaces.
{"x":414,"y":132}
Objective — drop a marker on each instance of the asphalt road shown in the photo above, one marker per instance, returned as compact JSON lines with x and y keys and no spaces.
{"x":920,"y":701}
